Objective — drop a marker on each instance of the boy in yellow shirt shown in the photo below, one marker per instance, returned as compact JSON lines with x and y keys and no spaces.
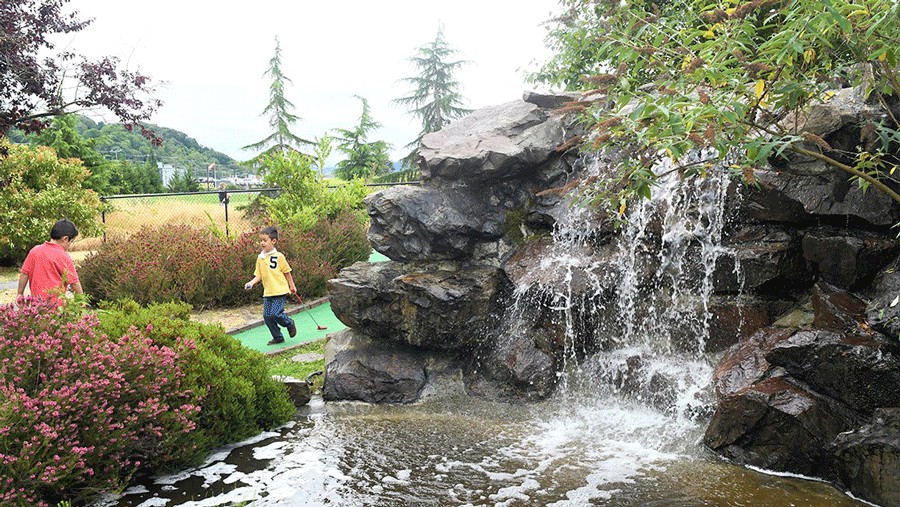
{"x":275,"y":273}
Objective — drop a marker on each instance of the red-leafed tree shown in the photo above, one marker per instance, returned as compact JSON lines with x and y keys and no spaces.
{"x":31,"y":84}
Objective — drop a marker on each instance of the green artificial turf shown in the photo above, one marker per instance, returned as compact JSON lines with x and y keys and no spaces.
{"x":307,"y":331}
{"x":258,"y":335}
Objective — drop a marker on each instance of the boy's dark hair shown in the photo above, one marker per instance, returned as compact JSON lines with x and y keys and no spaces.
{"x":271,"y":232}
{"x":63,"y":228}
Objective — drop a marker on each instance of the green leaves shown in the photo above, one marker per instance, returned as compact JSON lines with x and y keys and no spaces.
{"x":435,"y":97}
{"x":280,"y":118}
{"x":718,"y":75}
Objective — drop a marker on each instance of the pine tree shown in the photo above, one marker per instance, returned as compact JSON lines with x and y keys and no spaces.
{"x":435,"y":98}
{"x":63,"y":136}
{"x":281,"y":140}
{"x":364,"y":159}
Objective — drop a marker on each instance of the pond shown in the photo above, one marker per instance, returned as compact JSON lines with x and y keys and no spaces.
{"x":456,"y":450}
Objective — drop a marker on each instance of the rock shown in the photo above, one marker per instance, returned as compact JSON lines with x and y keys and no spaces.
{"x":423,"y":223}
{"x":848,"y":259}
{"x":762,"y":259}
{"x":733,"y":319}
{"x":441,"y":306}
{"x":838,"y":310}
{"x":861,"y":372}
{"x":799,"y":318}
{"x":777,"y":425}
{"x":298,"y":390}
{"x":359,"y":368}
{"x":551,"y":100}
{"x":307,"y":358}
{"x":516,"y":369}
{"x":574,"y":271}
{"x":883,"y":311}
{"x":493,"y":143}
{"x":823,"y":192}
{"x":868,"y":458}
{"x":745,"y":363}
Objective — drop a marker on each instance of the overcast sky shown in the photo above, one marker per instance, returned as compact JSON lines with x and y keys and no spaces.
{"x":212,"y":57}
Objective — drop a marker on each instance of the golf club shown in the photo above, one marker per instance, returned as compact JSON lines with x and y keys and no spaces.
{"x":300,"y":301}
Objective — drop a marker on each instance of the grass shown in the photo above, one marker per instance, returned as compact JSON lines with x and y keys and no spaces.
{"x":130,"y":215}
{"x":283,"y":365}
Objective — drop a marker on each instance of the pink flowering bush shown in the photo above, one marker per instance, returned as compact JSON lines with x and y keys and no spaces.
{"x":80,"y":412}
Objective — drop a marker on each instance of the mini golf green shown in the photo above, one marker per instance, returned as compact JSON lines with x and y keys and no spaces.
{"x":257,"y":335}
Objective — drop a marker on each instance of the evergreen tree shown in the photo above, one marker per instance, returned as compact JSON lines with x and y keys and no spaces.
{"x":63,"y":137}
{"x":364,"y":159}
{"x":281,"y":140}
{"x":435,"y":97}
{"x":184,"y":181}
{"x":153,"y":176}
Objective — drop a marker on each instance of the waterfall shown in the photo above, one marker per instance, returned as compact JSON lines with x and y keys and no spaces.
{"x":634,"y":306}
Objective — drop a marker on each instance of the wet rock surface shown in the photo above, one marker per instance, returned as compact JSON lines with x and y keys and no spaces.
{"x":883,"y":311}
{"x":476,"y":277}
{"x":359,"y":368}
{"x":868,"y":458}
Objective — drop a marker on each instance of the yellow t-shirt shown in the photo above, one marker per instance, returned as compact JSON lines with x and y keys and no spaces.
{"x":270,"y":268}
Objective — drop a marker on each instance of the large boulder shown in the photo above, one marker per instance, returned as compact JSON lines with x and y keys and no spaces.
{"x":507,"y":141}
{"x":423,"y":223}
{"x":786,"y":395}
{"x":761,"y":259}
{"x":862,"y":372}
{"x":745,"y":363}
{"x":801,"y":190}
{"x":444,"y":306}
{"x":360,"y":368}
{"x":847,"y":258}
{"x":779,"y":425}
{"x":514,"y":369}
{"x":822,"y":192}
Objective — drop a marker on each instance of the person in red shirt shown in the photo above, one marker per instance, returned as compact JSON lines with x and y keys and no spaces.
{"x":48,"y":269}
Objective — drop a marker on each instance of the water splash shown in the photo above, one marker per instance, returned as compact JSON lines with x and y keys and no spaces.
{"x":639,"y":301}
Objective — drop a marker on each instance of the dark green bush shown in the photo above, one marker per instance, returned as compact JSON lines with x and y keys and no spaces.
{"x":240,"y":397}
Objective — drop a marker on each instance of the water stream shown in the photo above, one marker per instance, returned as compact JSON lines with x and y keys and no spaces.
{"x":624,"y":428}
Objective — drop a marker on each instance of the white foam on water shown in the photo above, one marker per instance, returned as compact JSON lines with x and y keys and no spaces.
{"x":154,"y":502}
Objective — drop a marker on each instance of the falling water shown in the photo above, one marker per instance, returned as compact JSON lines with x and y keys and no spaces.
{"x":623,"y":429}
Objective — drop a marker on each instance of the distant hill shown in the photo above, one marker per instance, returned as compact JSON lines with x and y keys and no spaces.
{"x":178,"y":149}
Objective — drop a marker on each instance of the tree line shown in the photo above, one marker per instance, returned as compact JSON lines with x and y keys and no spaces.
{"x":32,"y":104}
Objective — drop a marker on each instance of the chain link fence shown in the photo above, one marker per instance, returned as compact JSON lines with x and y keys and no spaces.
{"x":227,"y":212}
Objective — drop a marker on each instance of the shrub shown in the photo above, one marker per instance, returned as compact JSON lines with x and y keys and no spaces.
{"x":81,"y":412}
{"x":172,"y":263}
{"x":38,"y":190}
{"x":189,"y":264}
{"x":240,"y":397}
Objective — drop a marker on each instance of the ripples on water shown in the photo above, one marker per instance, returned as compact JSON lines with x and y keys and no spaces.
{"x":469,"y":452}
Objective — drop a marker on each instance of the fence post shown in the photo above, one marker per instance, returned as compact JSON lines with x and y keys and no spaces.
{"x":226,"y":218}
{"x":103,"y":217}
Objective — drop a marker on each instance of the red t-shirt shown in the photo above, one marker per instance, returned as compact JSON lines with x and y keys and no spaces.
{"x":46,"y":265}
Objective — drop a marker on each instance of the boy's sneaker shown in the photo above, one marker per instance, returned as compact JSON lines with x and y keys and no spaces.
{"x":275,"y":341}
{"x":292,"y":330}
